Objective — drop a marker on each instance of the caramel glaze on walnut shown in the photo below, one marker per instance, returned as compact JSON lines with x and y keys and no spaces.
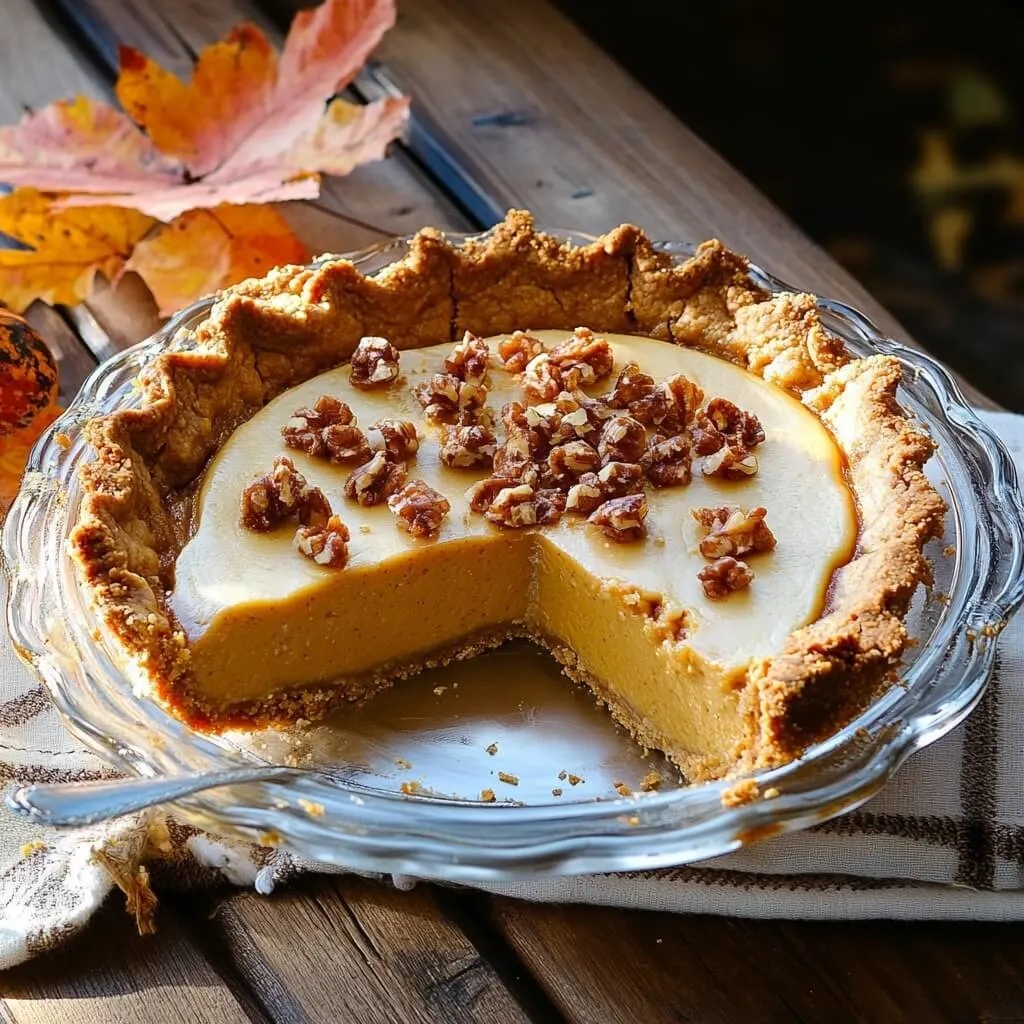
{"x":265,"y":335}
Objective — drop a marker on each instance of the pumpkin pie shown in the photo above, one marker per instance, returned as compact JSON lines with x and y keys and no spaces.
{"x":682,"y":485}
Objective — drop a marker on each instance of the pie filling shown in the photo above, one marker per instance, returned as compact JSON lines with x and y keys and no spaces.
{"x":629,"y":618}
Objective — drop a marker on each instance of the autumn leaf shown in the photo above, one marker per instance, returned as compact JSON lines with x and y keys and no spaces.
{"x":249,"y":127}
{"x":204,"y":250}
{"x":68,"y":247}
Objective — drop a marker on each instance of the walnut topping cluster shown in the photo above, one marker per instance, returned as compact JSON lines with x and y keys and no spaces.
{"x":521,"y":505}
{"x":374,"y":363}
{"x":419,"y":509}
{"x":595,"y":449}
{"x":396,"y":438}
{"x":731,"y":531}
{"x":469,"y":360}
{"x":283,"y":493}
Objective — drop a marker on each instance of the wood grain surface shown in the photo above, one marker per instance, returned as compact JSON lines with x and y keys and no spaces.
{"x":520,"y":109}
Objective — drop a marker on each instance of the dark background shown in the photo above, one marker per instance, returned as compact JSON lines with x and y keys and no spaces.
{"x":891,"y":133}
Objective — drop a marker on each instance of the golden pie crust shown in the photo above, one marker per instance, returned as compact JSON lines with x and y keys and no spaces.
{"x":264,"y":336}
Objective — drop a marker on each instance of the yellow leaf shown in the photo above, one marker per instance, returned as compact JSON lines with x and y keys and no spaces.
{"x":68,"y":247}
{"x":205,"y":250}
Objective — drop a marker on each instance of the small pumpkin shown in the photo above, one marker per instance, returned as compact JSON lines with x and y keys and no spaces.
{"x":28,"y":374}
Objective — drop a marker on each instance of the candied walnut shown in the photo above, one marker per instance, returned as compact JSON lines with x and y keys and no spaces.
{"x":567,"y":462}
{"x":667,"y":460}
{"x":725,"y":575}
{"x":619,"y":478}
{"x":375,"y":480}
{"x":621,"y":519}
{"x":585,"y":495}
{"x":542,"y":379}
{"x":483,"y":492}
{"x":469,"y":359}
{"x":735,"y":531}
{"x":522,"y":505}
{"x":326,"y":544}
{"x":730,"y":463}
{"x":635,"y":391}
{"x":374,"y":363}
{"x":445,"y":398}
{"x":467,"y":446}
{"x":396,"y":438}
{"x":622,"y":440}
{"x":517,"y":351}
{"x":283,"y":492}
{"x":583,"y":359}
{"x":305,"y":429}
{"x":419,"y":509}
{"x":345,"y":442}
{"x":682,"y":398}
{"x":707,"y":438}
{"x":740,"y":428}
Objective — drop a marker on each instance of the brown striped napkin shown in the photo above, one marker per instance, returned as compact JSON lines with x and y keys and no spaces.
{"x":945,"y":839}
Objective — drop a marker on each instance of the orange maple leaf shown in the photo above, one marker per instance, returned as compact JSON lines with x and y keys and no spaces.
{"x":69,"y":247}
{"x":204,"y":250}
{"x":249,"y":127}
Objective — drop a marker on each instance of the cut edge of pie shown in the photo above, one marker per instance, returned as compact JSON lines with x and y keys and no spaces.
{"x":264,"y":336}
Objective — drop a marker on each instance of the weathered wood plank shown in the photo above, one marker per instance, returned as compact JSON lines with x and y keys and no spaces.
{"x":109,"y":975}
{"x":347,"y":949}
{"x":611,"y":965}
{"x":541,"y":118}
{"x":35,"y":65}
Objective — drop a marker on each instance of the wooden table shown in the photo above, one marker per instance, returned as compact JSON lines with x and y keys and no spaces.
{"x":513,"y":106}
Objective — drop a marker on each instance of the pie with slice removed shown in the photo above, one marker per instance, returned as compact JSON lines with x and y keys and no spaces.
{"x":680,"y":484}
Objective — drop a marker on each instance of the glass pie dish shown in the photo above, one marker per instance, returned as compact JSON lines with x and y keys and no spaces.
{"x":396,"y":786}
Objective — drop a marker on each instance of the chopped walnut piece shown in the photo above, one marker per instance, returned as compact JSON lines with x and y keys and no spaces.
{"x":462,"y":447}
{"x":585,"y":495}
{"x":622,"y":440}
{"x":707,"y":438}
{"x":667,"y":460}
{"x":483,"y":492}
{"x":419,"y":509}
{"x":682,"y":397}
{"x":620,"y":478}
{"x":740,"y":428}
{"x":518,"y":350}
{"x":632,"y":385}
{"x":542,"y":379}
{"x":305,"y":430}
{"x":576,"y":422}
{"x":345,"y":442}
{"x":375,"y":480}
{"x":283,"y":492}
{"x":622,"y":519}
{"x":522,"y":505}
{"x":445,"y":398}
{"x":730,"y":463}
{"x":374,"y":363}
{"x":567,"y":462}
{"x":326,"y":544}
{"x":735,"y":531}
{"x":725,"y":575}
{"x":583,"y":359}
{"x":469,"y":359}
{"x":396,"y":438}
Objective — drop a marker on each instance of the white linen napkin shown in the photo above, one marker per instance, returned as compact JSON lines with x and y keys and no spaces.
{"x":944,"y":840}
